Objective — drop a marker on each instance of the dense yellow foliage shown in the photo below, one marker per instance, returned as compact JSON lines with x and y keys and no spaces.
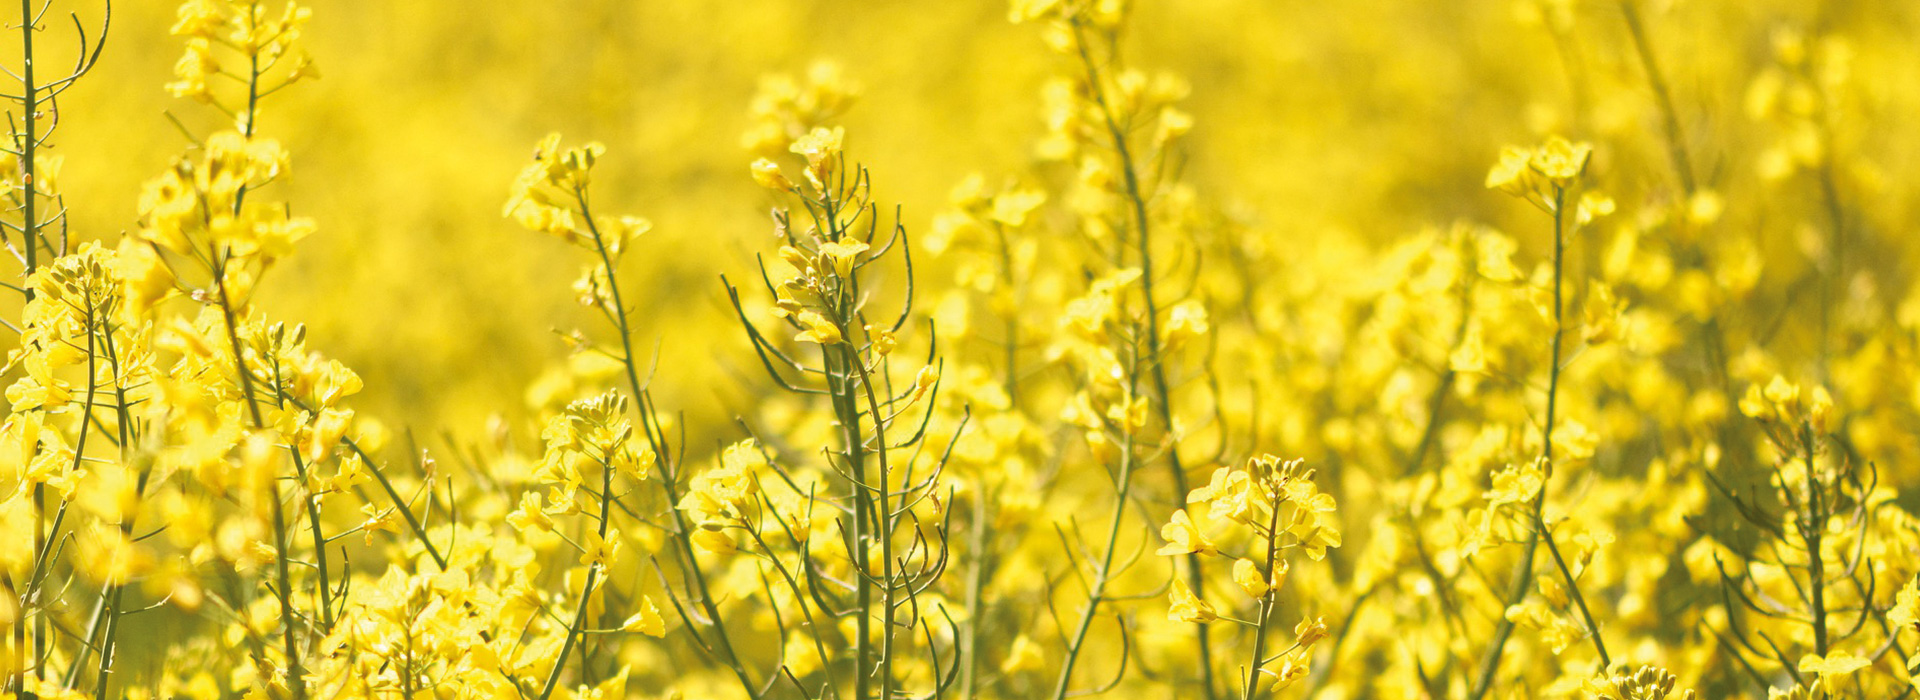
{"x":1210,"y":349}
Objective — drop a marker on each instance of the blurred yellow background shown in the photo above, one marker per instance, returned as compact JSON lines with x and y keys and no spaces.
{"x":1323,"y":121}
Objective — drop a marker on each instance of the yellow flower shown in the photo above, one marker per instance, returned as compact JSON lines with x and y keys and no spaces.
{"x":1310,"y":631}
{"x":1187,"y":319}
{"x":1561,"y":161}
{"x":1247,"y":575}
{"x":923,"y":382}
{"x":1187,"y":608}
{"x":720,"y":498}
{"x":1183,"y":537}
{"x":378,"y":520}
{"x":841,"y":254}
{"x":1029,"y":10}
{"x":767,"y":174}
{"x":1229,"y":495}
{"x":648,"y":621}
{"x":1012,"y":208}
{"x":1906,"y":606}
{"x":1820,"y":410}
{"x":600,"y":550}
{"x":1512,"y":174}
{"x":1471,"y":356}
{"x":1515,"y":484}
{"x":820,"y":144}
{"x":1838,"y":663}
{"x":530,"y":515}
{"x":714,"y":541}
{"x":1526,"y":173}
{"x":1290,"y":671}
{"x":818,"y":329}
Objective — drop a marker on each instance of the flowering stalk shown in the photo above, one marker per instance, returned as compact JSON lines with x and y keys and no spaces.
{"x":552,"y":196}
{"x":825,"y":301}
{"x":1102,"y":575}
{"x":1541,"y":177}
{"x":1155,"y":359}
{"x":1267,"y":603}
{"x":26,"y":139}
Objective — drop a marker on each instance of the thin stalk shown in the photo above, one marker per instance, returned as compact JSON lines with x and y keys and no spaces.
{"x":399,"y":503}
{"x":284,"y":591}
{"x":840,"y":380}
{"x":976,"y":580}
{"x":1097,"y":593}
{"x":1579,"y":601}
{"x":839,"y":361}
{"x":1811,"y":532}
{"x":29,"y":103}
{"x":79,"y":454}
{"x":1670,"y":120}
{"x":319,"y":544}
{"x":889,"y":602}
{"x":574,"y":630}
{"x":806,"y":612}
{"x":313,"y":516}
{"x":1267,"y":604}
{"x":667,"y":481}
{"x":1155,"y":360}
{"x":16,"y":680}
{"x":1523,"y":570}
{"x":30,"y":224}
{"x":107,"y":642}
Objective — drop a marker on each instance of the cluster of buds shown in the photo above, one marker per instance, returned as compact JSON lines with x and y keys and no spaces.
{"x":1271,"y":506}
{"x":823,"y":150}
{"x":1540,"y":175}
{"x":1784,"y":405}
{"x":197,"y":205}
{"x":1277,"y":500}
{"x":594,"y":432}
{"x":1647,"y":683}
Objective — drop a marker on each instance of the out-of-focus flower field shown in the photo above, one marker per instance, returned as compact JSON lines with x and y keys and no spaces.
{"x":869,"y":350}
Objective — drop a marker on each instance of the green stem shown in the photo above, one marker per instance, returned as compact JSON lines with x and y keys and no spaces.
{"x":667,"y":480}
{"x":295,"y":669}
{"x":319,"y":544}
{"x":1098,"y":592}
{"x":1267,"y":604}
{"x":107,"y":643}
{"x":1812,"y":532}
{"x":1156,"y":367}
{"x":1579,"y":601}
{"x":30,"y":225}
{"x":1523,"y":570}
{"x":976,"y":580}
{"x":1670,"y":120}
{"x":889,"y":594}
{"x":574,"y":630}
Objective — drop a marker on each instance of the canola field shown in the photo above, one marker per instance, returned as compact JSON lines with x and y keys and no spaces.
{"x":1200,"y":349}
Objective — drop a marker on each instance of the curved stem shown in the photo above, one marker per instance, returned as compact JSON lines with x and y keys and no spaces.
{"x":1097,"y":592}
{"x":1523,"y":570}
{"x":1267,"y":604}
{"x":1155,"y":359}
{"x":619,"y":314}
{"x":1670,"y":120}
